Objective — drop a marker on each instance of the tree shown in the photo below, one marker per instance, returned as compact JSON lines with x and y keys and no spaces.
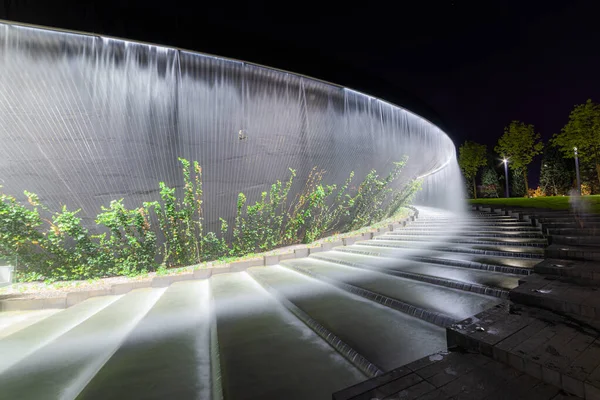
{"x":517,"y":183}
{"x":582,"y":131}
{"x":489,"y":182}
{"x":519,"y":144}
{"x":472,"y":156}
{"x":556,"y":174}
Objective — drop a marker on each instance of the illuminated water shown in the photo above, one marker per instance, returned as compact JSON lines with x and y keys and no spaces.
{"x":85,"y":120}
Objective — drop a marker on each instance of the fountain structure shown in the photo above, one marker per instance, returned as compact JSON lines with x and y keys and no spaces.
{"x":86,"y":119}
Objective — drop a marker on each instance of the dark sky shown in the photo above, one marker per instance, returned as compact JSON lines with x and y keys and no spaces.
{"x":471,"y":67}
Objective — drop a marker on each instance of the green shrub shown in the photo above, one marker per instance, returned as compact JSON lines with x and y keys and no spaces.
{"x":130,"y":240}
{"x":60,"y":248}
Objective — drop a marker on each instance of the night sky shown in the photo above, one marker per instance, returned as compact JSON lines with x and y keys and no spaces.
{"x":470,"y":67}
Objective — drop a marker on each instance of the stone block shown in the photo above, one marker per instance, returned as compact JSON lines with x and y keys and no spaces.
{"x":500,"y":355}
{"x":161,"y":281}
{"x":34,"y":304}
{"x":350,"y":240}
{"x":591,"y":392}
{"x":271,"y":260}
{"x":287,"y":256}
{"x":182,"y":277}
{"x":367,"y":235}
{"x":330,"y":245}
{"x":121,"y":288}
{"x":574,"y":386}
{"x":314,"y":250}
{"x":551,"y":377}
{"x":239,"y":266}
{"x":301,"y":253}
{"x":99,"y":292}
{"x":222,"y":270}
{"x":516,"y":362}
{"x":533,"y":368}
{"x":142,"y":284}
{"x":77,"y":297}
{"x":203,"y":273}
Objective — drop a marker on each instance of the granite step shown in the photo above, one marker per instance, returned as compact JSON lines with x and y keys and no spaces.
{"x":502,"y":234}
{"x":504,"y":250}
{"x":571,"y":252}
{"x":561,"y":295}
{"x":582,"y":272}
{"x":556,"y":349}
{"x":574,"y":231}
{"x":509,"y":265}
{"x":576,"y":240}
{"x":456,"y":238}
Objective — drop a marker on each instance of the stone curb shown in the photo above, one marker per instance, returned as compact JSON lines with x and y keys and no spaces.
{"x":74,"y":298}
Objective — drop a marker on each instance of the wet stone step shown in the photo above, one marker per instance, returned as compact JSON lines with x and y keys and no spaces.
{"x":525,"y":242}
{"x":465,"y":233}
{"x":576,"y":240}
{"x":429,"y":274}
{"x":375,"y":329}
{"x":509,"y":265}
{"x":590,"y":253}
{"x":476,"y":249}
{"x":393,"y":292}
{"x":574,"y":231}
{"x":482,"y":227}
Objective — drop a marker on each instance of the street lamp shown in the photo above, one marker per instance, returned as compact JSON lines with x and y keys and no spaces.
{"x":505,"y":161}
{"x":577,"y":171}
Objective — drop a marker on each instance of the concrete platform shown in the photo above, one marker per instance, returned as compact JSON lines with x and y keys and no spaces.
{"x":454,"y":375}
{"x":557,"y":349}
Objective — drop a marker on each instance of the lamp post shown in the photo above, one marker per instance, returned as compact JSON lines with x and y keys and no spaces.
{"x":577,"y":171}
{"x":505,"y":161}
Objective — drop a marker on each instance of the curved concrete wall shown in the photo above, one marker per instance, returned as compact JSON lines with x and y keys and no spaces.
{"x":87,"y":119}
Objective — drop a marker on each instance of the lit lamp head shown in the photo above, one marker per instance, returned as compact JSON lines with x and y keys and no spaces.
{"x":504,"y":160}
{"x":575,"y":150}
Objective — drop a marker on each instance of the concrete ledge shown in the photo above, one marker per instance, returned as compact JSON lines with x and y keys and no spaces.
{"x":223,"y":270}
{"x":271,"y":260}
{"x":76,"y":298}
{"x":287,"y":256}
{"x":99,"y":292}
{"x":121,"y":288}
{"x":33,"y":304}
{"x":73,"y":298}
{"x":239,"y":266}
{"x":313,"y":250}
{"x":300,"y":253}
{"x":330,"y":245}
{"x":204,"y":273}
{"x":164,"y":281}
{"x":348,"y":241}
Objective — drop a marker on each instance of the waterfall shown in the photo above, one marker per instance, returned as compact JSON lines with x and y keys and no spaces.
{"x":86,"y":119}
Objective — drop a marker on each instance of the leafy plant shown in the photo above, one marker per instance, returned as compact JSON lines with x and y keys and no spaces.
{"x":490,"y":185}
{"x":130,"y":240}
{"x":519,"y":143}
{"x":55,"y":245}
{"x":472,"y":156}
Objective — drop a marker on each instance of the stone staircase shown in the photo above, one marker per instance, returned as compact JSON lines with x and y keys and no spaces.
{"x":551,"y":328}
{"x":332,"y":319}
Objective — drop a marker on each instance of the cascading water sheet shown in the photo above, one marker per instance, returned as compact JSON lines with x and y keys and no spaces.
{"x":87,"y":119}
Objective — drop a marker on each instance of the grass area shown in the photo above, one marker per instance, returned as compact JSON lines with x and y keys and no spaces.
{"x":551,"y":202}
